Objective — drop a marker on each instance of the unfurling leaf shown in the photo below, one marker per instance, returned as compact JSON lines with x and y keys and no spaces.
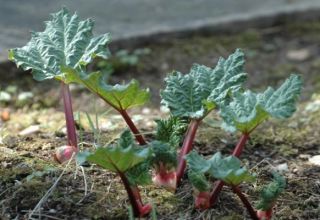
{"x":227,"y":169}
{"x":195,"y":94}
{"x":248,"y":109}
{"x":65,"y":42}
{"x":118,"y":158}
{"x":171,"y":131}
{"x":270,"y":193}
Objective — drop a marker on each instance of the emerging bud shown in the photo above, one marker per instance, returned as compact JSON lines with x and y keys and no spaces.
{"x":166,"y":179}
{"x":64,"y":153}
{"x":202,"y":200}
{"x":264,"y":215}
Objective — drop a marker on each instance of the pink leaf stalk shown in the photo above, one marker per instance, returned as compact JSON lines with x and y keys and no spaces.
{"x":132,"y":127}
{"x":139,"y":209}
{"x":245,"y":202}
{"x":64,"y":153}
{"x":186,"y":148}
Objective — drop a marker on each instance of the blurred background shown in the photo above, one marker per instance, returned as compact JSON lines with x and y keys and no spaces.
{"x":150,"y":38}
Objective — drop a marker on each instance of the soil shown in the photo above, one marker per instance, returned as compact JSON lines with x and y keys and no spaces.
{"x":28,"y":170}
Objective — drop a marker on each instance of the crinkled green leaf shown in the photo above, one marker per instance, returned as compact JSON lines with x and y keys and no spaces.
{"x":248,"y":110}
{"x":199,"y":181}
{"x":244,"y":113}
{"x":139,"y":174}
{"x":171,"y":130}
{"x":281,"y":103}
{"x":198,"y":92}
{"x":121,"y":97}
{"x":163,"y":153}
{"x":118,"y":158}
{"x":197,"y":163}
{"x":270,"y":193}
{"x":65,"y":42}
{"x":229,"y":170}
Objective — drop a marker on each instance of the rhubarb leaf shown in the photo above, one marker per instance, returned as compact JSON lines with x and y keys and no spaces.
{"x":139,"y":174}
{"x":195,"y":94}
{"x":171,"y":131}
{"x":120,"y":97}
{"x":248,"y":109}
{"x":199,"y":181}
{"x":197,"y":163}
{"x":244,"y":113}
{"x":229,"y":170}
{"x":270,"y":193}
{"x":119,"y":158}
{"x":65,"y":42}
{"x":281,"y":103}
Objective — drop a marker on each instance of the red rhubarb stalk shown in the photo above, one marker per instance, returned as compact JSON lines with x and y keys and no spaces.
{"x":139,"y":210}
{"x":245,"y":202}
{"x":132,"y":127}
{"x":71,"y":129}
{"x":64,"y":153}
{"x":186,"y":148}
{"x":240,"y":146}
{"x":218,"y":185}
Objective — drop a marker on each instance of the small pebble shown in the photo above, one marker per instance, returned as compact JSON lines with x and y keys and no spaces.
{"x":5,"y":96}
{"x":146,"y":111}
{"x":298,"y":55}
{"x":282,"y":168}
{"x":315,"y":160}
{"x":30,"y":130}
{"x":304,"y":156}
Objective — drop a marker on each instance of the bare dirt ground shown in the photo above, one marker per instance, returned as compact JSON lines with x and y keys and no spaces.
{"x":27,"y":169}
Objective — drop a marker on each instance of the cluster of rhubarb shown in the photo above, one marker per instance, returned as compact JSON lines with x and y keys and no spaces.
{"x":67,"y":46}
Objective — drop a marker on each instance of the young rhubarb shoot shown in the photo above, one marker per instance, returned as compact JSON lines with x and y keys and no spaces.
{"x":66,"y":42}
{"x":130,"y":163}
{"x":248,"y":110}
{"x":197,"y":174}
{"x":197,"y":93}
{"x":226,"y":169}
{"x":268,"y":196}
{"x":164,"y":160}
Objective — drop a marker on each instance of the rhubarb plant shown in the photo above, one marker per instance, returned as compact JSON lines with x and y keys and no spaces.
{"x":168,"y":136}
{"x":227,"y":169}
{"x":66,"y":43}
{"x":196,"y":94}
{"x":130,"y":162}
{"x":268,"y":196}
{"x":248,"y":110}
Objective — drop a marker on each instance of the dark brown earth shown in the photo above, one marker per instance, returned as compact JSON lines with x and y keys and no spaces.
{"x":272,"y":54}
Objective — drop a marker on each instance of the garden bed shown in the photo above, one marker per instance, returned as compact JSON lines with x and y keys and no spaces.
{"x":272,"y":54}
